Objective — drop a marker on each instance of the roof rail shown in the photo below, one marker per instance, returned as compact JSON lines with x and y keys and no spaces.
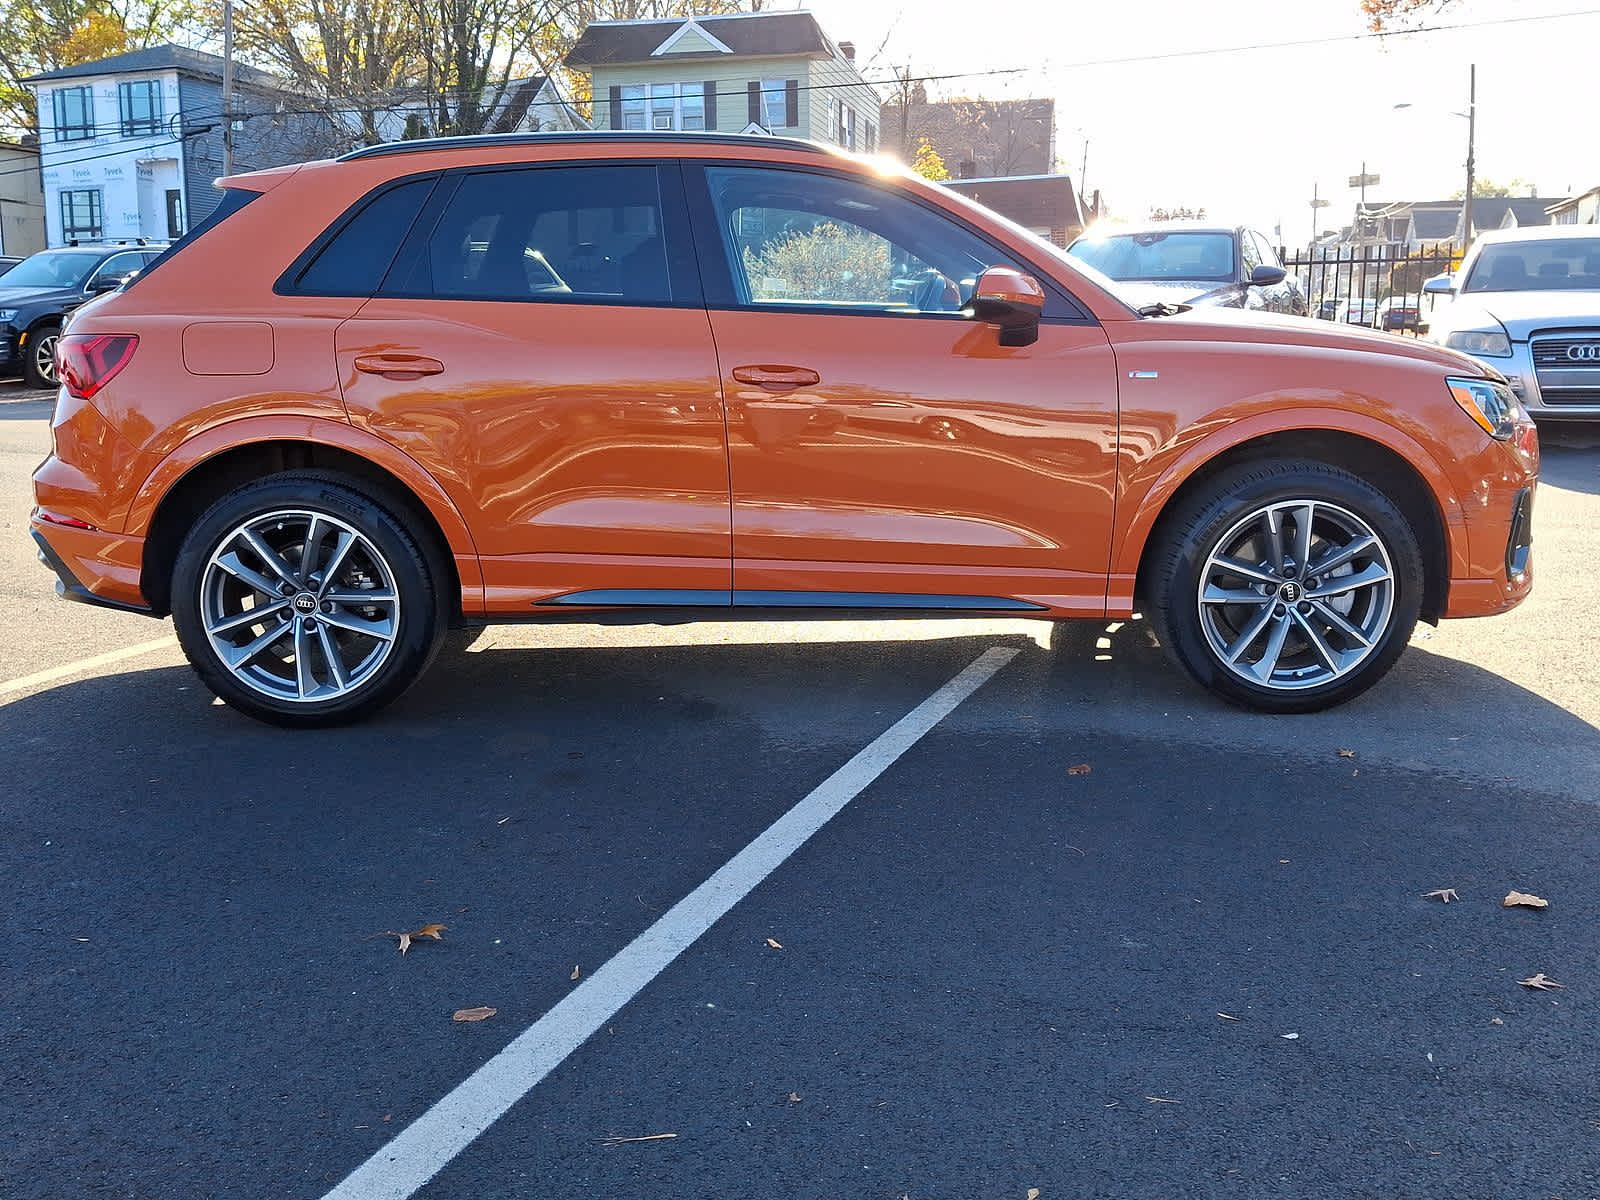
{"x":582,"y":137}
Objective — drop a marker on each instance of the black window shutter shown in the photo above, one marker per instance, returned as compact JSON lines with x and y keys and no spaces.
{"x":711,"y":104}
{"x":754,"y":92}
{"x":791,"y":103}
{"x":616,"y":107}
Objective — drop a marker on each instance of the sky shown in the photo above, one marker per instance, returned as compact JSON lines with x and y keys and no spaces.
{"x":1247,"y":134}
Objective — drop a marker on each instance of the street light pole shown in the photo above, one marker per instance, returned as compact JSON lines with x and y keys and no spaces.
{"x":227,"y":87}
{"x":1472,"y":129}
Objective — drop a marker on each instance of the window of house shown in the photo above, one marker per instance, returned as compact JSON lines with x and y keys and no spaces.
{"x":547,"y":233}
{"x":80,"y":214}
{"x":672,"y":106}
{"x":139,"y":107}
{"x":775,"y":104}
{"x":74,"y":113}
{"x":850,"y":130}
{"x":663,"y":106}
{"x":870,"y":142}
{"x":841,"y":133}
{"x":805,"y":240}
{"x":633,"y":107}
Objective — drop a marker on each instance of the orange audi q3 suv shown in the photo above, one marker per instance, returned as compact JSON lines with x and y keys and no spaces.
{"x":637,"y":377}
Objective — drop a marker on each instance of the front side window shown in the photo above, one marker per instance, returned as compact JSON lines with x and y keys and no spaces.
{"x":547,"y":233}
{"x":1564,"y":264}
{"x":795,"y":239}
{"x":1157,"y":255}
{"x":118,"y":266}
{"x":80,"y":214}
{"x":74,"y":113}
{"x":139,"y":105}
{"x":1249,"y":253}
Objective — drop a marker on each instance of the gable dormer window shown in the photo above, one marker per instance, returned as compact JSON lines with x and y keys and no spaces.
{"x":73,"y":109}
{"x":691,"y":38}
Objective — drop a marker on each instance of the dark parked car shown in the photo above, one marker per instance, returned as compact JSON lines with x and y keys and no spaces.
{"x":37,"y":294}
{"x":1226,"y":266}
{"x":6,"y":263}
{"x":1398,"y":314}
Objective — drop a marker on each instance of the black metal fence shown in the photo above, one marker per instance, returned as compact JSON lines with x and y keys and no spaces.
{"x":1353,"y":283}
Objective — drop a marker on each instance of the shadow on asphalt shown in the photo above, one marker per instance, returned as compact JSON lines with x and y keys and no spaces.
{"x":1573,"y":468}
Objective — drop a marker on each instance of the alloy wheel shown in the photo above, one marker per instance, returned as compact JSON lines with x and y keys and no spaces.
{"x":1296,"y":595}
{"x":44,"y":357}
{"x":299,"y":605}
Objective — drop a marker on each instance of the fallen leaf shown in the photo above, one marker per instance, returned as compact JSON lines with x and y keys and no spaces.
{"x":649,"y":1137}
{"x":1347,"y":754}
{"x":1523,"y":900}
{"x":1162,"y":1100}
{"x":1496,"y":1021}
{"x":432,"y":930}
{"x":1080,"y":769}
{"x":1033,"y":1194}
{"x":1540,"y":984}
{"x":775,"y":943}
{"x":795,"y":1097}
{"x":576,"y":972}
{"x":1443,"y":895}
{"x":1290,"y":1037}
{"x":474,"y":1014}
{"x":1229,"y":1017}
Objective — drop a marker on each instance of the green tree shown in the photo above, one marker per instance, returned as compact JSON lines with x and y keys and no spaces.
{"x":1487,"y":187}
{"x":928,"y":164}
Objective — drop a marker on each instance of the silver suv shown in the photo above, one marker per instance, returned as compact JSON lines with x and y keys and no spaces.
{"x":1527,"y":302}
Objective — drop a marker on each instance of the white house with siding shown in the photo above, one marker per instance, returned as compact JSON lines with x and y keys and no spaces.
{"x":765,"y":72}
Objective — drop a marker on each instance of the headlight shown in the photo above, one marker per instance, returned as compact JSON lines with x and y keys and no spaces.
{"x":7,"y":314}
{"x":1482,"y":342}
{"x":1488,"y":402}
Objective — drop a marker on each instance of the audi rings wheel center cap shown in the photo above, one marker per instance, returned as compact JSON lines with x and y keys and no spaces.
{"x":1289,"y":593}
{"x":305,"y":603}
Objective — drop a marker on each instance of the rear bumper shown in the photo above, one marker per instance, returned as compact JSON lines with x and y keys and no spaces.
{"x":92,"y":566}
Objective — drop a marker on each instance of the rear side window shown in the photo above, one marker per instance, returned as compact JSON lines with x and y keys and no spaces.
{"x":591,"y":233}
{"x":354,"y":260}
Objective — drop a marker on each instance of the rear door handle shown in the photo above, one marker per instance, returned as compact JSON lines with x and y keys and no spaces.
{"x":777,"y":379}
{"x":399,"y":366}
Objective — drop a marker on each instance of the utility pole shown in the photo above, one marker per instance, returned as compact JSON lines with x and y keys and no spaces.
{"x":1472,"y":129}
{"x":1083,"y":171}
{"x":227,"y":87}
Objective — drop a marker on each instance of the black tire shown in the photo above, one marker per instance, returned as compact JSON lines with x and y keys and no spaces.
{"x":417,"y":623}
{"x":31,"y":373}
{"x":1220,"y":509}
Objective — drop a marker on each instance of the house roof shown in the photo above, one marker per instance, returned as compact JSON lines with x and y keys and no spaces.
{"x":1489,"y":212}
{"x":1571,"y":201}
{"x":168,"y":57}
{"x":1037,"y":201}
{"x":763,"y":34}
{"x":1435,"y":224}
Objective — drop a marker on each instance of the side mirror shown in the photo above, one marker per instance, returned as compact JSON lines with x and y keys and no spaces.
{"x":1014,"y":301}
{"x":1264,"y":276}
{"x":1440,"y":285}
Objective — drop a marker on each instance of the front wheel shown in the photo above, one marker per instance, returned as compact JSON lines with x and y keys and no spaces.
{"x":39,"y":359}
{"x":302,"y":601}
{"x":1288,"y":586}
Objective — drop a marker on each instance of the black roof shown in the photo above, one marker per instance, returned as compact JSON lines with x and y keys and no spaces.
{"x":168,"y":57}
{"x":581,"y":137}
{"x":752,"y":34}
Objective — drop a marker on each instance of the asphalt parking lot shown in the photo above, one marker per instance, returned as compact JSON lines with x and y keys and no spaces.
{"x":1203,"y":966}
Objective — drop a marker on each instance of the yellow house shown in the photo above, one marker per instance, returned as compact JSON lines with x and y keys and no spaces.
{"x":766,"y":72}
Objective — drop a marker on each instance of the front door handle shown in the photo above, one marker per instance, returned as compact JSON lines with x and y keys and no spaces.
{"x":399,"y":366}
{"x":777,"y":379}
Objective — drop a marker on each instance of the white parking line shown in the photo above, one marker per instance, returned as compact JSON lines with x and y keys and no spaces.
{"x":84,"y":665}
{"x":423,"y":1148}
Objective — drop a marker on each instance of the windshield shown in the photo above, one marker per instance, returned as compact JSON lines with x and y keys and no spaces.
{"x":1565,"y":264}
{"x":1157,"y":256}
{"x":49,"y":270}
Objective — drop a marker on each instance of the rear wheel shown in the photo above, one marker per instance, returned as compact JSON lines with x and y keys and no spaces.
{"x":39,"y":359}
{"x":302,"y":601}
{"x":1288,"y":586}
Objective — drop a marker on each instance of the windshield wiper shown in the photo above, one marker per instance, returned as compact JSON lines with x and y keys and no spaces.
{"x":1162,"y":309}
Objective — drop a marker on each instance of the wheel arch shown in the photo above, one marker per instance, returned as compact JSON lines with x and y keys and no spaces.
{"x":166,"y":513}
{"x":1380,"y":464}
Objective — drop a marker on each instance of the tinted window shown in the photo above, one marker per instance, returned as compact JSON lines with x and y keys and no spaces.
{"x":1564,"y":264}
{"x":354,"y":261}
{"x":805,"y":240}
{"x":548,"y":233}
{"x":1159,"y":255}
{"x":119,"y":264}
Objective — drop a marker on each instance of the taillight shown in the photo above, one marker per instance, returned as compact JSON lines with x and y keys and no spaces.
{"x":86,"y":362}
